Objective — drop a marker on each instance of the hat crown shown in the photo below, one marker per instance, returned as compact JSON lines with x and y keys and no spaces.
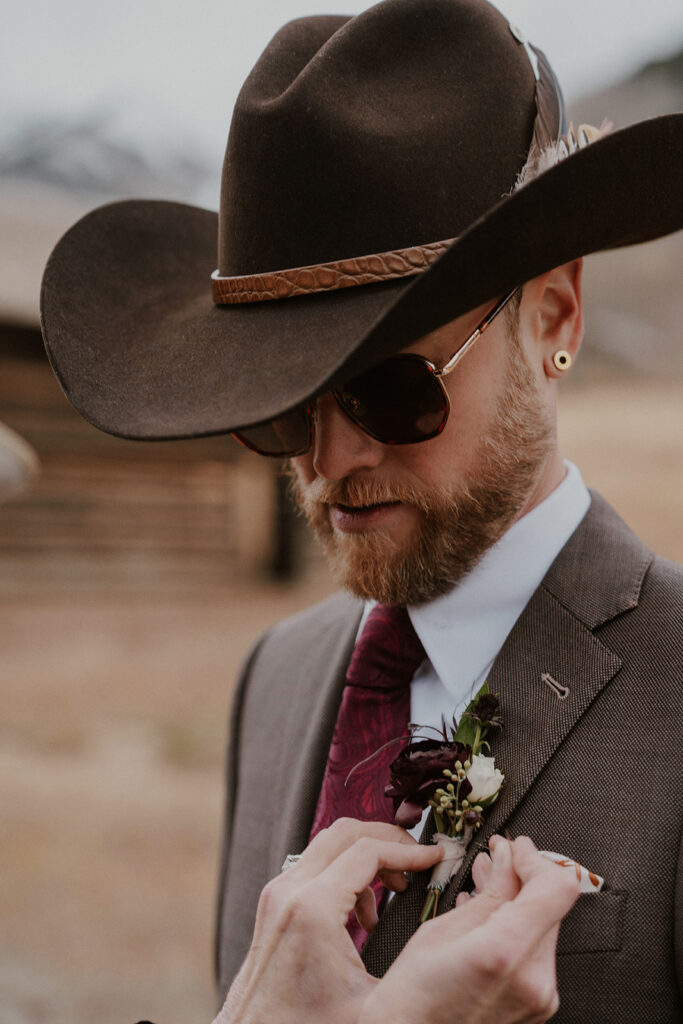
{"x":353,"y":136}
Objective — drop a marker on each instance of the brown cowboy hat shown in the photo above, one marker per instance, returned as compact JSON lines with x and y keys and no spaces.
{"x":368,"y":197}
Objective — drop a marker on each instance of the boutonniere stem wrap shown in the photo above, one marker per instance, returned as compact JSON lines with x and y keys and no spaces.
{"x":456,"y":779}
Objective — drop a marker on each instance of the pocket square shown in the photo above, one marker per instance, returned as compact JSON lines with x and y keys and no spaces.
{"x":588,"y":880}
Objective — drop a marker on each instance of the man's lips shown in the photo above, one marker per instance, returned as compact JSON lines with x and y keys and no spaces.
{"x":364,"y":508}
{"x":352,"y":518}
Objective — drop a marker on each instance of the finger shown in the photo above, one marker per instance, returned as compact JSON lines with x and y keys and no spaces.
{"x":511,"y":943}
{"x":502,"y":876}
{"x":331,"y":842}
{"x":481,"y":871}
{"x":494,"y":875}
{"x":396,"y":881}
{"x":541,"y":879}
{"x":366,"y":909}
{"x":529,"y":923}
{"x":501,"y":886}
{"x":527,"y":890}
{"x":482,"y":867}
{"x":529,"y":865}
{"x":353,"y":870}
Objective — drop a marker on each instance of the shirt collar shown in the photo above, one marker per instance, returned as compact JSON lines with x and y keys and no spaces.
{"x":463,"y":631}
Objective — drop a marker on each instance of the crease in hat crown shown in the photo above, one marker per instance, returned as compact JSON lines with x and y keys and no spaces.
{"x":360,"y":148}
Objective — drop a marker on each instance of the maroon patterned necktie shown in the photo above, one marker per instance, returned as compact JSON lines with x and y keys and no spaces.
{"x":374,"y":710}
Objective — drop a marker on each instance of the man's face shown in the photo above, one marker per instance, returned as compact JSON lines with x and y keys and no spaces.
{"x":402,"y":524}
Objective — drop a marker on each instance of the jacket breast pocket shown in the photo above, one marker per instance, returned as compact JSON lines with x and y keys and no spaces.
{"x":595,"y":924}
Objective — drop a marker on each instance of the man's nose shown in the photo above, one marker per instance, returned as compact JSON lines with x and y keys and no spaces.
{"x":340,"y":447}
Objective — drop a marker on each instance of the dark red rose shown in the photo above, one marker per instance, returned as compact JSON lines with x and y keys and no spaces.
{"x":417,"y":772}
{"x":485,"y":709}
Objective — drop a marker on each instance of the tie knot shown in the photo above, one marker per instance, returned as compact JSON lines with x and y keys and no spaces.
{"x":388,"y":650}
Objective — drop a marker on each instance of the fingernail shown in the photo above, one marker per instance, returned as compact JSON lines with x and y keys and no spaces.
{"x":500,"y":852}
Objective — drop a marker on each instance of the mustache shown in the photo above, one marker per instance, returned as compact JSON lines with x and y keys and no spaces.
{"x":360,"y":492}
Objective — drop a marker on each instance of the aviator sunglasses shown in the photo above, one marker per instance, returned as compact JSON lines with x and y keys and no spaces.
{"x":402,"y":400}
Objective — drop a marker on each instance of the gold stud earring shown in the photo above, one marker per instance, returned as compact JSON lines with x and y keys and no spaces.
{"x":562,"y":360}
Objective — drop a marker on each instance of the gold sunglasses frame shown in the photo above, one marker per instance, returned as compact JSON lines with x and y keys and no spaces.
{"x":439,"y":373}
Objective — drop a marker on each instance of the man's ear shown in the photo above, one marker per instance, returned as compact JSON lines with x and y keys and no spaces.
{"x":555,"y":305}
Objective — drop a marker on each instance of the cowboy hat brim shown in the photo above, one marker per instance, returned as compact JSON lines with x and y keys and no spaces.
{"x":142,"y":352}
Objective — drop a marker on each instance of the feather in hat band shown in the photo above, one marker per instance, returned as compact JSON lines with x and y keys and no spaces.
{"x":323,"y":277}
{"x":574,"y":139}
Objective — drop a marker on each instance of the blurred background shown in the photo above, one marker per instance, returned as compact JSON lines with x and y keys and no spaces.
{"x":133,"y":576}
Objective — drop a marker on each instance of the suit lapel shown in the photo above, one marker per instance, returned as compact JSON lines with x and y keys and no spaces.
{"x":596,"y":576}
{"x":547,"y":643}
{"x":545,"y":640}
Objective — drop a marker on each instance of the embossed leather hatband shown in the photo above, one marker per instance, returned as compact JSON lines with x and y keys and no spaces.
{"x":326,"y":277}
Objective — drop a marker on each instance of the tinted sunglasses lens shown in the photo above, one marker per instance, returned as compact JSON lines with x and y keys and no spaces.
{"x":287,"y":435}
{"x":400,"y":401}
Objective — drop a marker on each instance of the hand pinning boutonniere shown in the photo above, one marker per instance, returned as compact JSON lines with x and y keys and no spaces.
{"x":456,"y":779}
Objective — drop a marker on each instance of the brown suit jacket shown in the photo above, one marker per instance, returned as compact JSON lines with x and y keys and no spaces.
{"x":595,"y":776}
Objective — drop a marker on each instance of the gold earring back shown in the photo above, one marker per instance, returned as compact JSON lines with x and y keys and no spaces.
{"x":562,"y":360}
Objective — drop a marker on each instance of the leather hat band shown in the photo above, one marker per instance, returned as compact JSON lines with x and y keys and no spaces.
{"x":325,"y":277}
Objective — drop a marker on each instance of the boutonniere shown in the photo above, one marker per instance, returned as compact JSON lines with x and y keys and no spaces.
{"x":457,"y":778}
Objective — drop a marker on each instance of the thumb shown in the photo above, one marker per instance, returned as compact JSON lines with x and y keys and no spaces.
{"x":559,"y":888}
{"x":497,"y":884}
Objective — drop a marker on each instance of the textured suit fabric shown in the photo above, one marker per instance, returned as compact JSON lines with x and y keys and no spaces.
{"x":595,"y":776}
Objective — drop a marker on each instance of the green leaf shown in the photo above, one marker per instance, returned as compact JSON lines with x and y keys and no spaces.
{"x":485,"y":804}
{"x":467,"y":730}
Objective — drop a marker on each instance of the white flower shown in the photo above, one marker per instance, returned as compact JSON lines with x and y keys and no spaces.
{"x":484,"y":778}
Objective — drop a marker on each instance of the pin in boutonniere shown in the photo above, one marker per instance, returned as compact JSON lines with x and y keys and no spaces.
{"x":456,"y":779}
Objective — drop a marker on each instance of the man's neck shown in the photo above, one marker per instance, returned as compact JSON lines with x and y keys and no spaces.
{"x":552,"y":474}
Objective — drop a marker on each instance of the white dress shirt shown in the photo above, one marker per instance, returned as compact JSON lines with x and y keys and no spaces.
{"x":463,"y":631}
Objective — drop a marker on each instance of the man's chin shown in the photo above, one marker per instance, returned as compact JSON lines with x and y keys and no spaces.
{"x":369,"y":564}
{"x":372,"y":565}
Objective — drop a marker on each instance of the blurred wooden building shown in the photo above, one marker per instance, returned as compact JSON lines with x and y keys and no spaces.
{"x":108,"y":514}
